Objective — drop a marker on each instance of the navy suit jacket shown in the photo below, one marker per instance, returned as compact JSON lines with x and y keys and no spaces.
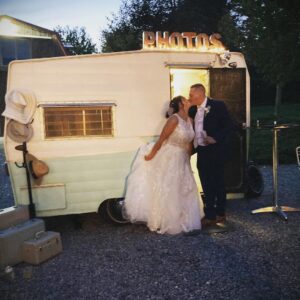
{"x":217,"y":122}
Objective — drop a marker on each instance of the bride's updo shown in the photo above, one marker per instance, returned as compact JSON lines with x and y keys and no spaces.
{"x":174,"y":106}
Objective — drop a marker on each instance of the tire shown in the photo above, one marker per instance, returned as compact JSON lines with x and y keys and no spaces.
{"x":114,"y":210}
{"x":254,"y":181}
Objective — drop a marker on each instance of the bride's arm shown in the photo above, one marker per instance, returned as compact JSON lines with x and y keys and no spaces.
{"x":167,"y":130}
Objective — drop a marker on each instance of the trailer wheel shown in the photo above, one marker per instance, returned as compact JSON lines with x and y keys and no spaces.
{"x":114,"y":210}
{"x":254,"y":181}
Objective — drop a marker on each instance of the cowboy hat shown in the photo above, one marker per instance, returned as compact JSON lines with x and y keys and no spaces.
{"x":18,"y":132}
{"x":37,"y":168}
{"x":20,"y":105}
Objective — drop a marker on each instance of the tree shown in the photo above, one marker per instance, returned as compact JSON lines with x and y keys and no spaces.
{"x":125,"y":29}
{"x":268,"y":33}
{"x":197,"y":16}
{"x":78,"y":38}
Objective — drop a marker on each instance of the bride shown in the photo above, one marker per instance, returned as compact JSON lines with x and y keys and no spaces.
{"x":161,"y":190}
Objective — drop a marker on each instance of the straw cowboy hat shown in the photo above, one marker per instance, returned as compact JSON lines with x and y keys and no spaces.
{"x":37,"y":168}
{"x":20,"y":105}
{"x":18,"y":132}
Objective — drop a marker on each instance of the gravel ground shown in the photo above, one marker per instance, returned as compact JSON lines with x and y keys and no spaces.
{"x":258,"y":259}
{"x":6,"y":197}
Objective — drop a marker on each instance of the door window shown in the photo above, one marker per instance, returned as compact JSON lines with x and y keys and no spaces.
{"x":182,"y":79}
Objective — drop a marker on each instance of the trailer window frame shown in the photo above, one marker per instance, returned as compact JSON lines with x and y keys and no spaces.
{"x":76,"y":120}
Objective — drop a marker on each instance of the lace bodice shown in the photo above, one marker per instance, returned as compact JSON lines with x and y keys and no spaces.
{"x":183,"y":133}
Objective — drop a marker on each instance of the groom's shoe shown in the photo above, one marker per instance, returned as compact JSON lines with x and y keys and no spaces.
{"x":221,"y":219}
{"x":208,"y":222}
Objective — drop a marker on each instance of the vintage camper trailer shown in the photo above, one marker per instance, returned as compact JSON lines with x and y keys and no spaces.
{"x":93,"y":112}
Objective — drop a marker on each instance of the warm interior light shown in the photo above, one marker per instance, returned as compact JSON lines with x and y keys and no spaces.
{"x":8,"y":28}
{"x":182,"y":79}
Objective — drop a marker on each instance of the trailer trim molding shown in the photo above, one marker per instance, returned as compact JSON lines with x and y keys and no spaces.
{"x":189,"y":65}
{"x":81,"y":103}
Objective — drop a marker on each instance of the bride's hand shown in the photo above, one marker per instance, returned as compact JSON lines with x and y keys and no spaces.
{"x":148,"y":157}
{"x":209,"y":140}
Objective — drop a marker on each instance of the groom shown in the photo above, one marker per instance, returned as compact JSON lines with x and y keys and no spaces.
{"x":212,"y":125}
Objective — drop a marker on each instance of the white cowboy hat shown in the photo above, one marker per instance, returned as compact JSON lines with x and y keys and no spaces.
{"x":20,"y":105}
{"x":18,"y":132}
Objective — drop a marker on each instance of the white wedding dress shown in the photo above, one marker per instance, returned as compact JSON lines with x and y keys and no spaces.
{"x":162,"y":192}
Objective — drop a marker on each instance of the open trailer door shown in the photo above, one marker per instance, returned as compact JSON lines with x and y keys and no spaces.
{"x":229,"y":85}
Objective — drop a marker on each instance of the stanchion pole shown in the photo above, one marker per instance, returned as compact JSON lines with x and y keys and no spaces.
{"x":31,"y":204}
{"x":276,"y":208}
{"x":275,"y":167}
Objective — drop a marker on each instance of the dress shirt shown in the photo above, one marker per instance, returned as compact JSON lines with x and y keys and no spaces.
{"x":200,"y":134}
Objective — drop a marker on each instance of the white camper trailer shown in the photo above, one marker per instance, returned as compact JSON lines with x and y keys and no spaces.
{"x":93,"y":112}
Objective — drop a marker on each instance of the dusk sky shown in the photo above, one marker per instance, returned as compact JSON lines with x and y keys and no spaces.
{"x":90,"y":14}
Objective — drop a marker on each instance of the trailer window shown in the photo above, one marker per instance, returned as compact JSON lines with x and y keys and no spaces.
{"x":78,"y":121}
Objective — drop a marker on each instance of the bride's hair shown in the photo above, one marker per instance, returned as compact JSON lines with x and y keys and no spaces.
{"x":174,"y":106}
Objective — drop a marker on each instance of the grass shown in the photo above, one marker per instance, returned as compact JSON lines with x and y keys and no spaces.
{"x":288,"y":139}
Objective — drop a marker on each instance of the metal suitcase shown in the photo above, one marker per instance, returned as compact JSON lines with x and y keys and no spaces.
{"x":12,"y":238}
{"x":44,"y":246}
{"x":14,"y":215}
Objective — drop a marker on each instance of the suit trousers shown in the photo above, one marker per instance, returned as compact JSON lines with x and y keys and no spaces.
{"x":210,"y":165}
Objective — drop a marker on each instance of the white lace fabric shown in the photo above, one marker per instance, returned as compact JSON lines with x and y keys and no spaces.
{"x":183,"y":134}
{"x":162,"y":192}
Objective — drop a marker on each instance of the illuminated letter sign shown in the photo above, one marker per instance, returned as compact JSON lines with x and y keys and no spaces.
{"x":175,"y":40}
{"x":162,"y":39}
{"x":148,"y":39}
{"x":189,"y":38}
{"x":182,"y":41}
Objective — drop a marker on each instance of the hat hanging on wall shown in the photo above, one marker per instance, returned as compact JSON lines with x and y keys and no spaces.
{"x":20,"y":105}
{"x":18,"y":132}
{"x":37,"y":168}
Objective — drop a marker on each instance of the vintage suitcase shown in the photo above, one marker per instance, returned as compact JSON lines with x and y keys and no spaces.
{"x":14,"y":215}
{"x":44,"y":246}
{"x":12,"y":238}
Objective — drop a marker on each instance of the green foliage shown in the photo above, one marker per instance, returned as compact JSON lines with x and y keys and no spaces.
{"x":268,"y":33}
{"x":230,"y":33}
{"x":125,"y":29}
{"x":196,"y":16}
{"x":78,"y":38}
{"x":288,"y":139}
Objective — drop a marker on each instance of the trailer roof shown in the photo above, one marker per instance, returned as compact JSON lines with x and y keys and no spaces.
{"x":134,"y":52}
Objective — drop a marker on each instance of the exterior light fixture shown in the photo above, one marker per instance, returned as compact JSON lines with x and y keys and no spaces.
{"x":232,"y":65}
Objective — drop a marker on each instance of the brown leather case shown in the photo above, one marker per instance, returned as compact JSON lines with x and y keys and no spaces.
{"x":44,"y":246}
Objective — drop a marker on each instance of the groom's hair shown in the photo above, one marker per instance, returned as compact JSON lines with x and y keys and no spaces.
{"x":198,"y":86}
